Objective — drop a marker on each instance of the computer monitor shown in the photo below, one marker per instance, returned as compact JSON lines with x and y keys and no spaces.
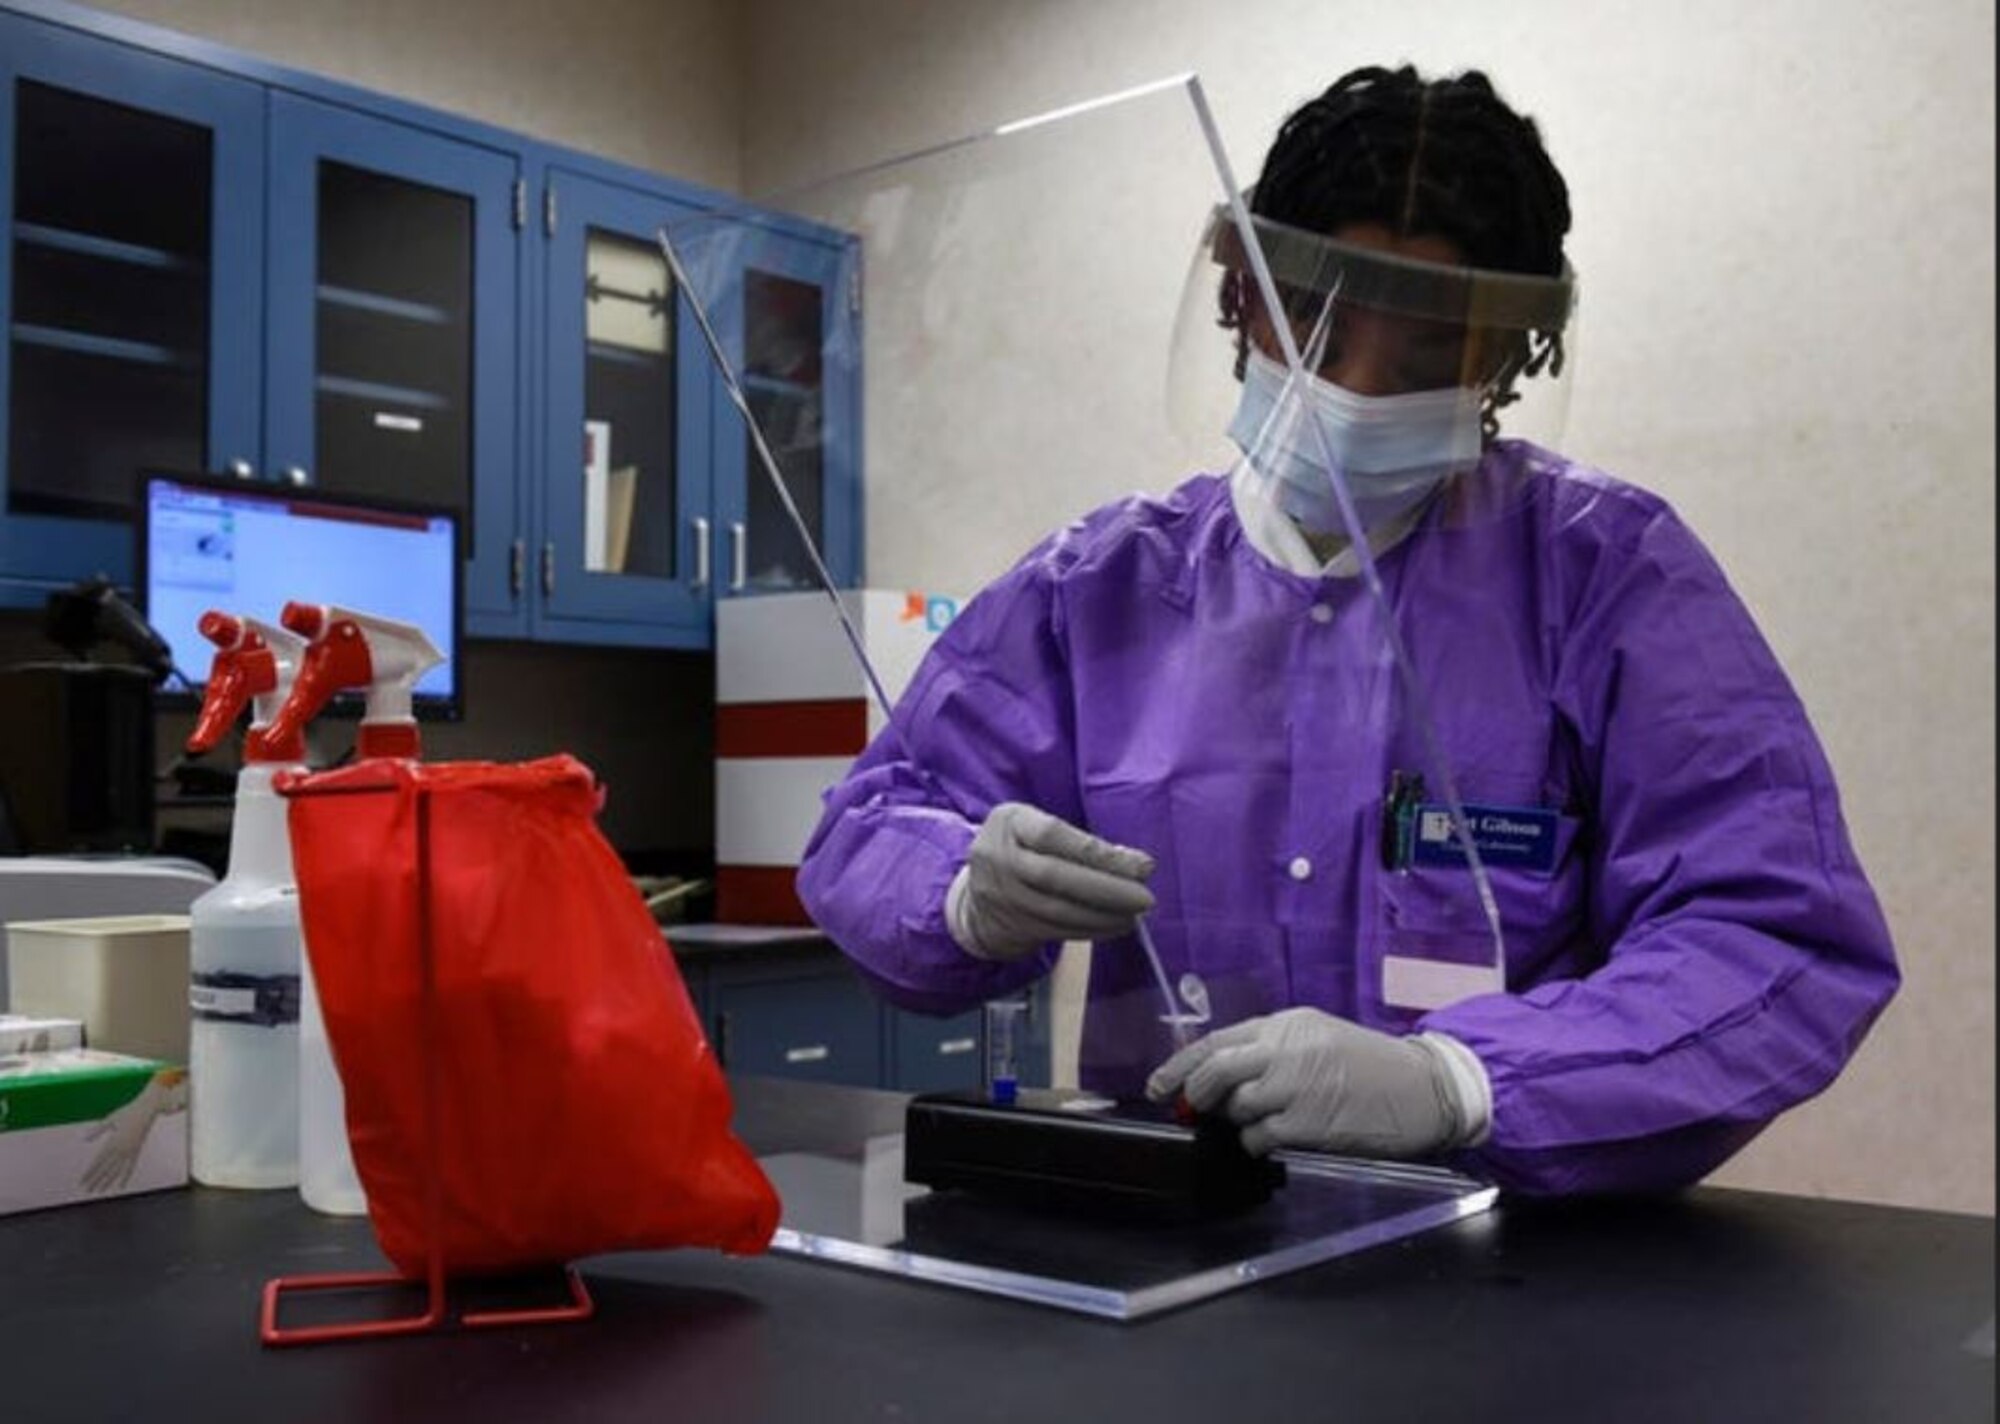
{"x":247,"y":548}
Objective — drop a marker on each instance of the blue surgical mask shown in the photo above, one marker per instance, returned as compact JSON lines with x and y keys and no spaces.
{"x":1394,"y":450}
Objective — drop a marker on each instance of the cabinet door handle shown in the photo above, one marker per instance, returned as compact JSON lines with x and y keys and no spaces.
{"x":739,"y":557}
{"x":240,"y":469}
{"x":701,"y":552}
{"x":808,"y":1053}
{"x":948,"y":1047}
{"x":517,"y":567}
{"x":295,"y":475}
{"x":549,"y":570}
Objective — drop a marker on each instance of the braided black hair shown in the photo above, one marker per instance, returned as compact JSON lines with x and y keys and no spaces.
{"x":1441,"y":158}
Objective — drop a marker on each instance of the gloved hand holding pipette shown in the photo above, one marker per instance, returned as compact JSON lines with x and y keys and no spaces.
{"x":1033,"y":878}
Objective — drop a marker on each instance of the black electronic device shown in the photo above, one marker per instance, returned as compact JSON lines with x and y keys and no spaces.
{"x":92,"y":613}
{"x":1071,"y":1152}
{"x":76,"y":757}
{"x":76,"y":737}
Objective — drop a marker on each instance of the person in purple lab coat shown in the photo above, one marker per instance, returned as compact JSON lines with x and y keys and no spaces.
{"x":1183,"y":707}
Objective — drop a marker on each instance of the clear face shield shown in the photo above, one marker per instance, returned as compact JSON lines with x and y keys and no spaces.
{"x":1372,"y":379}
{"x":1001,"y":334}
{"x":1385,"y":404}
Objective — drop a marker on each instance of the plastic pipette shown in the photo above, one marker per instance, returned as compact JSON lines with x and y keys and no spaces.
{"x":1174,"y":1019}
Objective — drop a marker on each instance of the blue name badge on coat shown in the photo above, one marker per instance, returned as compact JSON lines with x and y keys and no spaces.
{"x":1514,"y":837}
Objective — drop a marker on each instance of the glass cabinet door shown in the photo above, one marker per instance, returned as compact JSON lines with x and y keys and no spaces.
{"x":792,"y":327}
{"x":392,"y":336}
{"x":625,"y":479}
{"x":130,"y":296}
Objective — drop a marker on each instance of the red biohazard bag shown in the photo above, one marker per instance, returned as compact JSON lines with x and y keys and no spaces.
{"x":506,"y":1015}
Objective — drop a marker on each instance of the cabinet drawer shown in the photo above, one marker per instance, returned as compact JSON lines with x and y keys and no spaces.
{"x":933,"y":1055}
{"x":826,"y":1028}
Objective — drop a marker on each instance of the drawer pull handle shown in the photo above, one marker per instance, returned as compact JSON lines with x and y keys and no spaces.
{"x":810,"y":1053}
{"x":950,"y":1046}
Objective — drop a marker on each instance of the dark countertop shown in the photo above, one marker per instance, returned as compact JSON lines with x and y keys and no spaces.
{"x":1715,"y":1305}
{"x":696,"y":943}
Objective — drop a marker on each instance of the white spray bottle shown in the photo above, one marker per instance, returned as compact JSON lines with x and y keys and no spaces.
{"x":345,"y":650}
{"x":243,"y":1041}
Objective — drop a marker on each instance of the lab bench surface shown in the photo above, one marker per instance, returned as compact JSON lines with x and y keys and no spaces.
{"x":1713,"y":1305}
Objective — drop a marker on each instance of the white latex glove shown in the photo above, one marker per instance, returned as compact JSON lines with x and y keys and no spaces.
{"x":124,"y":1130}
{"x":1302,"y":1078}
{"x":1033,"y":878}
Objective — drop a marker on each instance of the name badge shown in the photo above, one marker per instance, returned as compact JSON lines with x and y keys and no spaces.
{"x":1510,"y":837}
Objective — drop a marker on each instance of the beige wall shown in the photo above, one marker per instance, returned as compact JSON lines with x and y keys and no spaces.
{"x":1786,"y":237}
{"x":649,"y":82}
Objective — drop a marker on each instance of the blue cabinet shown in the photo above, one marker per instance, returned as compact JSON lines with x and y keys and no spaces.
{"x":789,"y":322}
{"x":650,"y":504}
{"x":789,"y":1007}
{"x":391,"y":345}
{"x":934,"y":1055}
{"x":626,"y":497}
{"x":937,"y":1054}
{"x":799,"y":1010}
{"x":216,"y":264}
{"x":820,"y":1024}
{"x":130,"y":290}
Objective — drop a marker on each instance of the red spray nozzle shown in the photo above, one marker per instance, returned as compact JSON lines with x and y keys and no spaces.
{"x":232,"y":679}
{"x":351,"y":649}
{"x":337,"y":659}
{"x":357,"y":651}
{"x":220,"y":628}
{"x":253,"y":660}
{"x":308,"y":620}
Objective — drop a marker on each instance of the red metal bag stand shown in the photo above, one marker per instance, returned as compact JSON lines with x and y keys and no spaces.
{"x":436,"y":1314}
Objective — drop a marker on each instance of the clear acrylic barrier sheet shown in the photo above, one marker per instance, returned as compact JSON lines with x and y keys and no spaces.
{"x":856,"y":1210}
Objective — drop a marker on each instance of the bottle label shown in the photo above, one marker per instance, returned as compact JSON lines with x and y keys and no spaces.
{"x":268,"y":1000}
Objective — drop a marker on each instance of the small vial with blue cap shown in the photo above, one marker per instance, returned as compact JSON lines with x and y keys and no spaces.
{"x":1004,"y":1019}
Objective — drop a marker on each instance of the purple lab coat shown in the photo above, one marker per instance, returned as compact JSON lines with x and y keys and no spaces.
{"x":1704,"y":952}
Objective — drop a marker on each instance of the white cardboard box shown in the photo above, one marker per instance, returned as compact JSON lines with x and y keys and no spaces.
{"x":81,"y":1125}
{"x":789,"y":647}
{"x":21,"y":1034}
{"x":124,"y":976}
{"x":793,"y":710}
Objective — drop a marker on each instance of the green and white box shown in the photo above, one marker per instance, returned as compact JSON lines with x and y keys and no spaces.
{"x":79,"y":1125}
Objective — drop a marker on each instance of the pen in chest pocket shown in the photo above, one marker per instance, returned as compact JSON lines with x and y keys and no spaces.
{"x":1399,"y":810}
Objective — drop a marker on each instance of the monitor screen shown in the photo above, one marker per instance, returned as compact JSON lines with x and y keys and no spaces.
{"x":249,"y":549}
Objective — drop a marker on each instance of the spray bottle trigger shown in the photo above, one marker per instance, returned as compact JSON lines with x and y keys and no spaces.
{"x":230,"y":681}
